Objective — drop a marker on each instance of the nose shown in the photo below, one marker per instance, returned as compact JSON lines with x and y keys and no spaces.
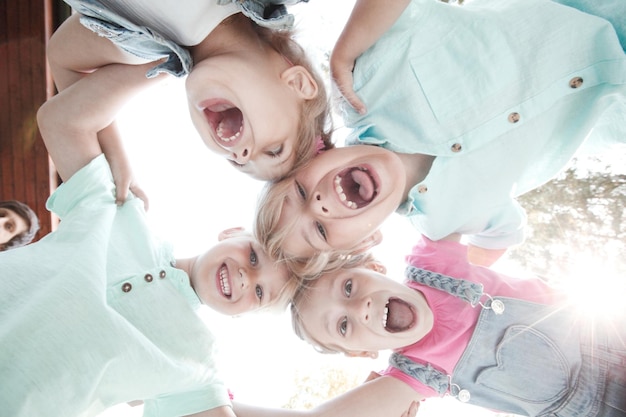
{"x":362,"y":309}
{"x":320,"y":206}
{"x":242,"y":157}
{"x":244,"y":278}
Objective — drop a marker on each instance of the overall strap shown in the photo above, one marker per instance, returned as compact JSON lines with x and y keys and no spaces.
{"x":423,"y":373}
{"x":465,"y":290}
{"x":462,"y":289}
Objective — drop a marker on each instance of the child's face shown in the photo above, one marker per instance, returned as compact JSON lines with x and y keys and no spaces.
{"x":358,"y":311}
{"x":246,"y":113}
{"x":341,"y":198}
{"x":11,"y":225}
{"x":236,"y":276}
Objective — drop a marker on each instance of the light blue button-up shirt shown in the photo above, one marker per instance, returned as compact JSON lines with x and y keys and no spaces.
{"x":503,"y":93}
{"x":94,"y":314}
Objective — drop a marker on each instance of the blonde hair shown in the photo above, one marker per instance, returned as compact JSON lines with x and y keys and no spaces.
{"x":315,"y":117}
{"x":271,"y":236}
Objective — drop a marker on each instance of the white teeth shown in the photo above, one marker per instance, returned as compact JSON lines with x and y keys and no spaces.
{"x":220,"y":133}
{"x":385,"y":314}
{"x":342,"y":195}
{"x":224,"y":280}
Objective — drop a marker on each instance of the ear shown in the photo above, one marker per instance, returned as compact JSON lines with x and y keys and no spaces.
{"x":228,"y":233}
{"x":369,"y":242}
{"x":362,"y":354}
{"x":376,"y":266}
{"x":301,"y":81}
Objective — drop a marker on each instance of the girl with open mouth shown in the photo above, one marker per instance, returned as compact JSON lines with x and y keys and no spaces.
{"x":472,"y":115}
{"x":512,"y":345}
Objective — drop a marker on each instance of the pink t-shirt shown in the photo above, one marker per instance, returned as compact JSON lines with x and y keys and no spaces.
{"x":454,"y":319}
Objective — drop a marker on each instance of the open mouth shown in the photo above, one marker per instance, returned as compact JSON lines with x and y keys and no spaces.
{"x":356,"y":187}
{"x":226,"y":121}
{"x":223,"y":281}
{"x":399,"y":316}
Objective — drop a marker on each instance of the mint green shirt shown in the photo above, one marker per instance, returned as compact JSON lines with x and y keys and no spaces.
{"x":503,"y":93}
{"x":94,"y":315}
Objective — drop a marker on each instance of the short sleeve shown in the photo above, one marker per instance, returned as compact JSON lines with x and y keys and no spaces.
{"x":505,"y":228}
{"x":92,"y":186}
{"x":186,"y":403}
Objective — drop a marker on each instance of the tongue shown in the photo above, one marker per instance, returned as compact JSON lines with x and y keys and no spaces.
{"x":400,"y":316}
{"x":231,"y":122}
{"x":366,"y":186}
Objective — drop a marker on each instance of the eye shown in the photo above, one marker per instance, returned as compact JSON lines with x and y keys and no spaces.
{"x":347,"y":288}
{"x":254,"y":259}
{"x":343,"y":326}
{"x":276,"y":152}
{"x":301,"y":191}
{"x":259,"y":292}
{"x":321,"y":230}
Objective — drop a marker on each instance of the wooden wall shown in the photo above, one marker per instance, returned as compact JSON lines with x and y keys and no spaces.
{"x":25,"y":171}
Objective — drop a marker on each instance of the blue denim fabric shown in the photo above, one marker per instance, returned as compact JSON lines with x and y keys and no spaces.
{"x":145,"y":43}
{"x":269,"y":13}
{"x":536,"y":360}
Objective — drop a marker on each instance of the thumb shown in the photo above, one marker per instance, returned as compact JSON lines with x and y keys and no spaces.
{"x":343,"y":80}
{"x":141,"y":194}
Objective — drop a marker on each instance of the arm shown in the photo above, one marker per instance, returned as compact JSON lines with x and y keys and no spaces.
{"x":369,"y":20}
{"x":70,"y":121}
{"x":224,"y":411}
{"x":74,"y":52}
{"x":384,"y":396}
{"x":483,"y":257}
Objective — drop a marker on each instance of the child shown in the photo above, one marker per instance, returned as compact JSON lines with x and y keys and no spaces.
{"x":481,"y":110}
{"x":98,"y":312}
{"x":18,"y":224}
{"x":509,"y":344}
{"x":244,"y":76}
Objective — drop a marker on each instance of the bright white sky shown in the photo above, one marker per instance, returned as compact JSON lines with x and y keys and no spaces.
{"x":194,"y":195}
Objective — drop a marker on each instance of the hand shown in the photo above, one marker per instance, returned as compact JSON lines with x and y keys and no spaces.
{"x":341,"y":67}
{"x":412,"y":411}
{"x":124,"y":181}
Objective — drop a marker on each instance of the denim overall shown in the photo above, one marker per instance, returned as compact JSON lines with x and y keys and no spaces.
{"x":529,"y":359}
{"x":145,"y":43}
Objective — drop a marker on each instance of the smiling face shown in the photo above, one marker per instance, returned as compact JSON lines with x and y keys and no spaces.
{"x":236,"y":276}
{"x":11,"y":225}
{"x":340,"y":199}
{"x":249,"y":112}
{"x":358,"y":310}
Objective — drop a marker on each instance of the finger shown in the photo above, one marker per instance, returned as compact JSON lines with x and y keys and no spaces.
{"x":412,"y":412}
{"x":140,"y":193}
{"x":373,"y":375}
{"x":121,"y":191}
{"x":344,"y":82}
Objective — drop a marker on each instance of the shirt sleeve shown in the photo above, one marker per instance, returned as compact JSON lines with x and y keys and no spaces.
{"x":91,"y":186}
{"x":186,"y":403}
{"x":505,"y":228}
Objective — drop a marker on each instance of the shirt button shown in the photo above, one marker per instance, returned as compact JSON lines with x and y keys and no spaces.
{"x":576,"y":82}
{"x":456,"y":147}
{"x":162,"y":274}
{"x":126,"y":287}
{"x":514,"y":117}
{"x":148,"y":278}
{"x":422,"y":189}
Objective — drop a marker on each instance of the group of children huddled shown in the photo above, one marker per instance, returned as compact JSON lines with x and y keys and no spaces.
{"x":454,"y":111}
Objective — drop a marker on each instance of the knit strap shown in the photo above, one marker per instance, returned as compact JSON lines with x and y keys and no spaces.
{"x":423,"y":373}
{"x":465,"y":290}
